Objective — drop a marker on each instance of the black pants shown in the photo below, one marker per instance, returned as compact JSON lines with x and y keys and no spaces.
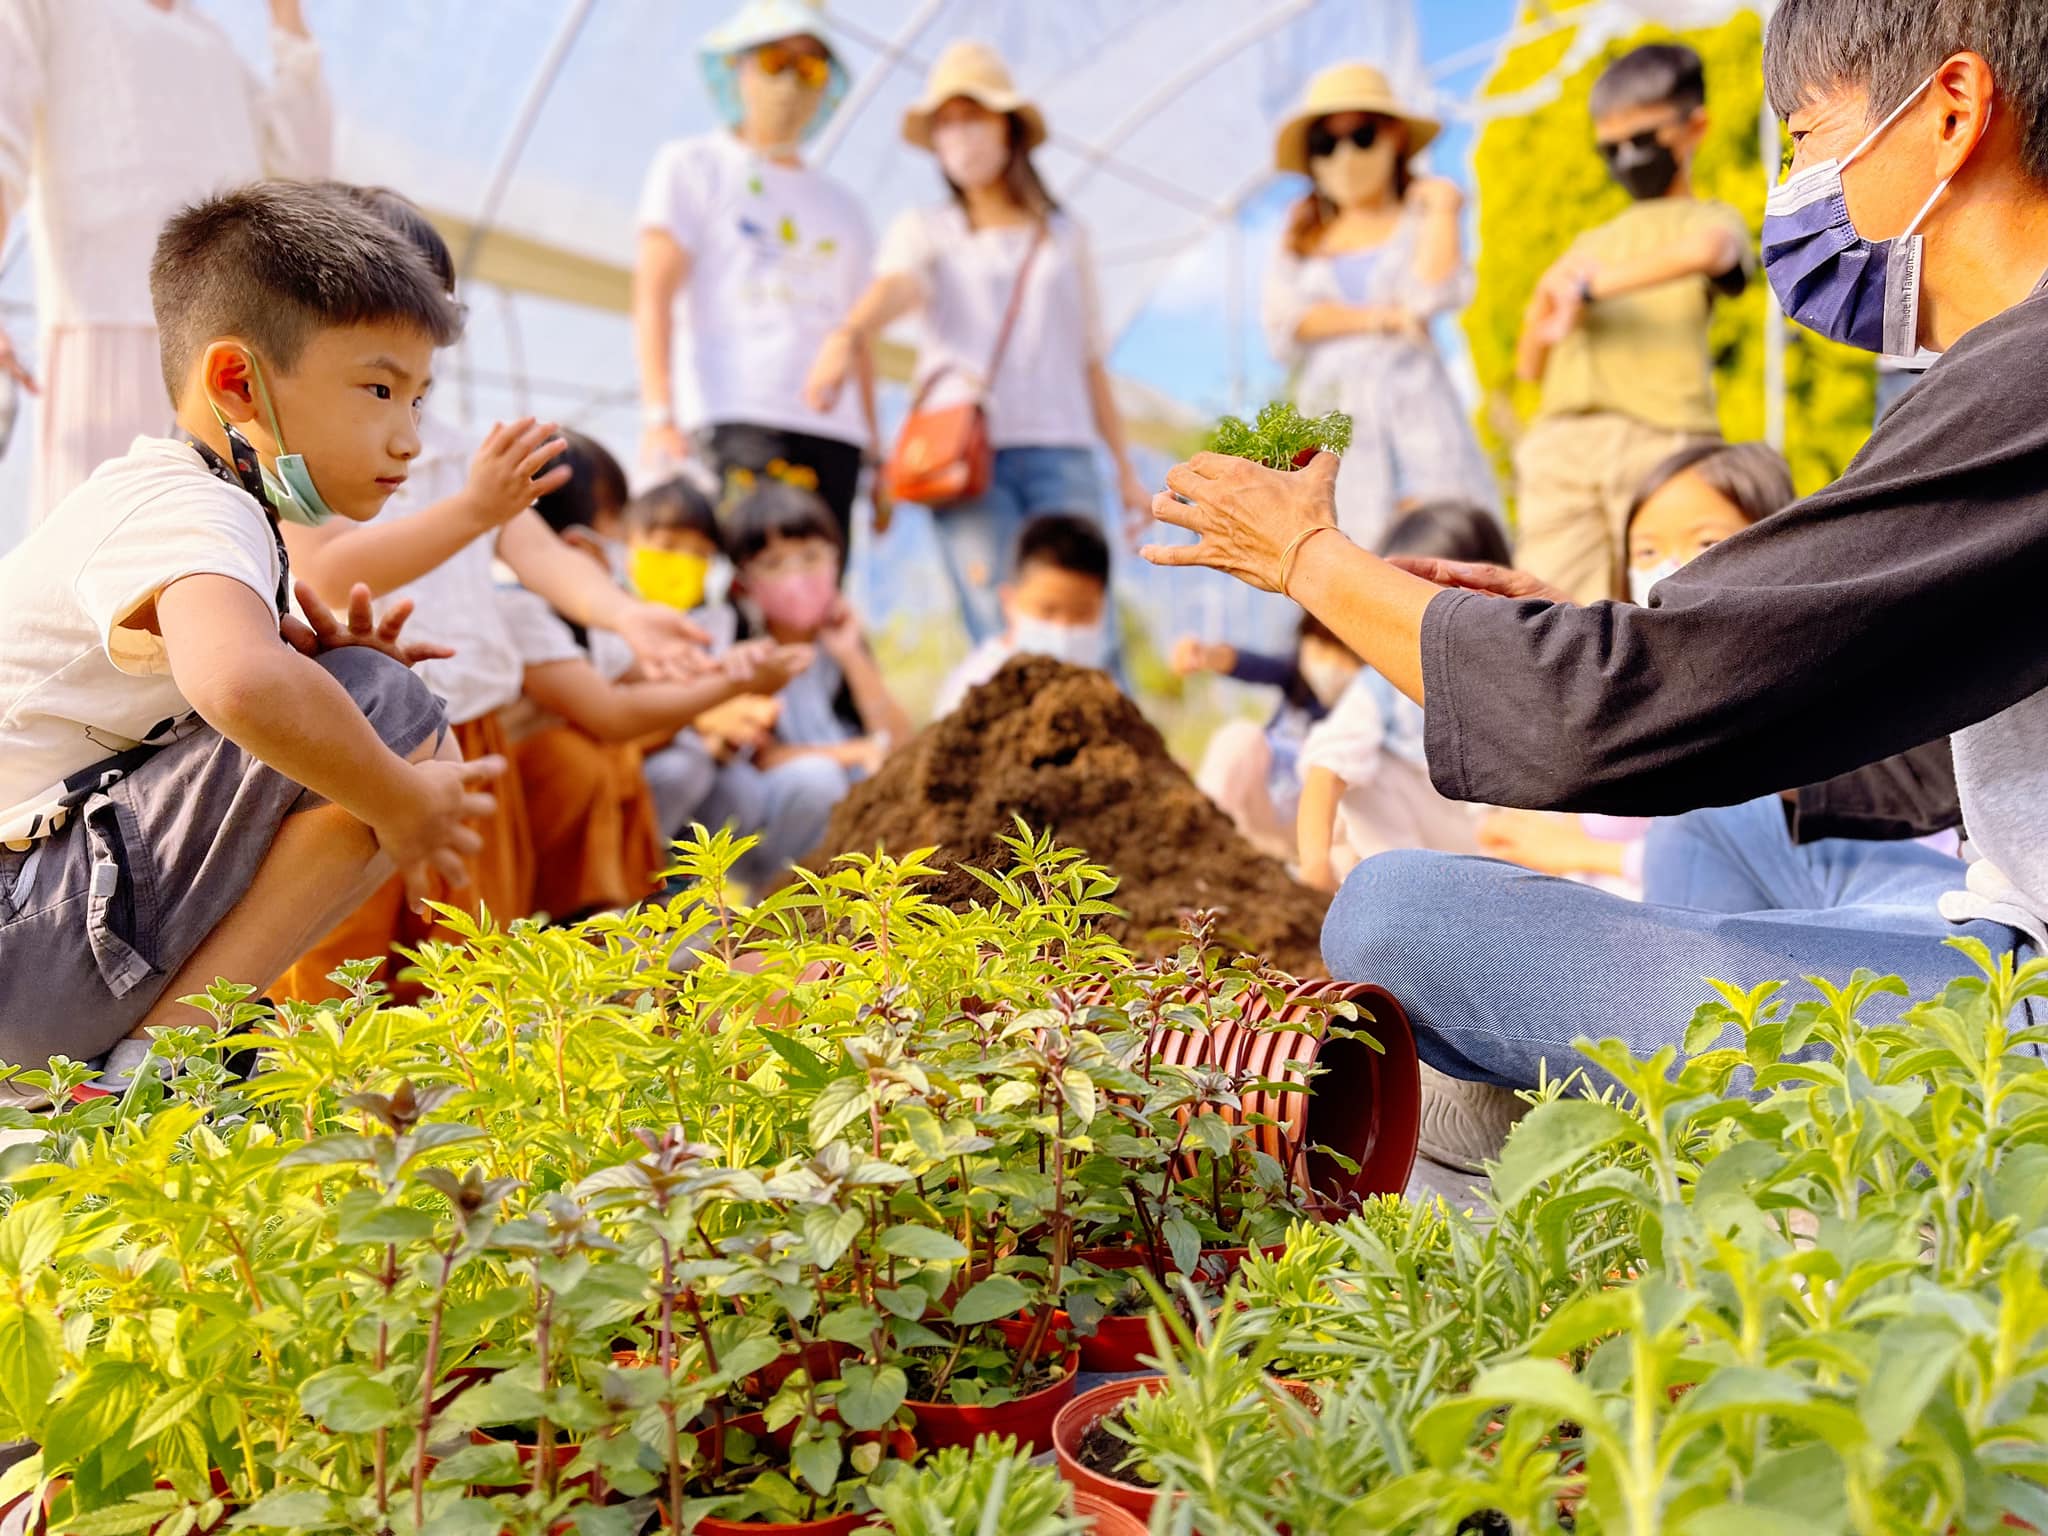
{"x":739,"y":445}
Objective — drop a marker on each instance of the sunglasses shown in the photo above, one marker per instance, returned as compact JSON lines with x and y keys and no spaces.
{"x":1635,"y":145}
{"x":1322,"y":142}
{"x":812,"y":70}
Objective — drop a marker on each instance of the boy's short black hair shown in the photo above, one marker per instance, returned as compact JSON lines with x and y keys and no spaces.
{"x":1448,"y":530}
{"x":1066,"y":541}
{"x":405,"y":216}
{"x":677,"y":503}
{"x":775,"y":509}
{"x":278,"y":261}
{"x":596,"y":486}
{"x":1887,"y":47}
{"x":1654,"y":75}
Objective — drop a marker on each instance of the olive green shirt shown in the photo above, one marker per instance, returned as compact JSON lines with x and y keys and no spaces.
{"x":1644,"y":354}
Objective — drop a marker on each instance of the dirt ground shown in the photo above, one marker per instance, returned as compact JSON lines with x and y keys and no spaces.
{"x":1069,"y":753}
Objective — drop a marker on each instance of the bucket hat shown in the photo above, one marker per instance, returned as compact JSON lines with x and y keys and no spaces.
{"x":753,"y":24}
{"x":977,"y":72}
{"x":1346,"y":88}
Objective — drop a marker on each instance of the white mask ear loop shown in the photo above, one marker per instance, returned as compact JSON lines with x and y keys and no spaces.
{"x":1876,"y":133}
{"x":1941,"y":187}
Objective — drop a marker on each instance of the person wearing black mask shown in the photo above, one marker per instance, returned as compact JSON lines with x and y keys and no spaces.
{"x":1617,"y":328}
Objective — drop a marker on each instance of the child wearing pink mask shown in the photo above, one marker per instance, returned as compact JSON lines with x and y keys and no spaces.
{"x":786,"y":553}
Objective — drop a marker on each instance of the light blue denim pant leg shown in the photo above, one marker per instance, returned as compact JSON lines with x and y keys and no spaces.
{"x":787,"y":806}
{"x":979,"y":537}
{"x":1741,"y":858}
{"x":1500,"y":969}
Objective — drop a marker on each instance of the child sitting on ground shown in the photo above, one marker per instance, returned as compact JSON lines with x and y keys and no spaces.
{"x":194,"y":785}
{"x":1053,"y":604}
{"x":589,"y":711}
{"x":1617,"y":328}
{"x":1365,"y":778}
{"x":1253,"y":771}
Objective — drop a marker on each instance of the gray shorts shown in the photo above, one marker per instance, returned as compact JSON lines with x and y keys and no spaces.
{"x":95,"y":920}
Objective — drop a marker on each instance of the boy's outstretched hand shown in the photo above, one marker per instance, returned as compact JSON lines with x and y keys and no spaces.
{"x":765,"y":666}
{"x":501,"y":476}
{"x":321,"y":631}
{"x":428,"y":835}
{"x":669,"y":647}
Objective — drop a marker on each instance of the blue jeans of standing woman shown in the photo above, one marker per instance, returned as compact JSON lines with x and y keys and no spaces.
{"x":1501,"y":969}
{"x":979,"y":537}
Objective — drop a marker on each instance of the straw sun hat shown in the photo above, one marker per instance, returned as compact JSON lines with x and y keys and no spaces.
{"x":766,"y":21}
{"x":1346,"y":88}
{"x":976,"y":71}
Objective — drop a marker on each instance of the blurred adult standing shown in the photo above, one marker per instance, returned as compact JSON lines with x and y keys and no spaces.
{"x":997,"y":246}
{"x":117,"y":113}
{"x":758,"y":254}
{"x":1369,"y":256}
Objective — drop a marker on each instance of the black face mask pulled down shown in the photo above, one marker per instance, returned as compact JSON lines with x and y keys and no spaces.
{"x":1644,"y":167}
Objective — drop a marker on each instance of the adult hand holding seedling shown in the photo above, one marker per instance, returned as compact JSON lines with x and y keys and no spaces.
{"x":1276,"y":529}
{"x":1250,"y":520}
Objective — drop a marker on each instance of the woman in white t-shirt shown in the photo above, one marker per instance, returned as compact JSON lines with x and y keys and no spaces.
{"x":751,"y":256}
{"x":956,"y":265}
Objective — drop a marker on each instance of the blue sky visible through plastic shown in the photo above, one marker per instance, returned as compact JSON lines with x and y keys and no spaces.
{"x":426,"y":105}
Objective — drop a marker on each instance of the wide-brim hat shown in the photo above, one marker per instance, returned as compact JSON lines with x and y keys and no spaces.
{"x":977,"y":72}
{"x":753,"y":24}
{"x":1347,"y":88}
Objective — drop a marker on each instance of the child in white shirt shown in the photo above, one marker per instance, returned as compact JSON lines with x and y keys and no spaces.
{"x":1053,"y":605}
{"x":194,"y":784}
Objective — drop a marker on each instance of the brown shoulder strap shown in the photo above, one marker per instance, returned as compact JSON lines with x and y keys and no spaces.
{"x":1016,"y":301}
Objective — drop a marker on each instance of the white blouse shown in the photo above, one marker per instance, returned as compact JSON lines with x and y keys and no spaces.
{"x":120,"y":114}
{"x":1039,"y":397}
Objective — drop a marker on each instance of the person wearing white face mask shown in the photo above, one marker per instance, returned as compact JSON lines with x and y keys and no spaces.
{"x":1054,"y":604}
{"x":1371,"y":254}
{"x":1002,"y":285}
{"x":747,"y":256}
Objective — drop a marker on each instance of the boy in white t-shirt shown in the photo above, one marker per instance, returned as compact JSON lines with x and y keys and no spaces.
{"x":1053,"y":606}
{"x":193,"y":784}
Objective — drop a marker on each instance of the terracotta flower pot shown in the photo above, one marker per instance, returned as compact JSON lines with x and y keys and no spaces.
{"x":821,"y":1357}
{"x":831,"y":1525}
{"x":562,"y":1452}
{"x":1109,"y":1519}
{"x":1029,"y":1418}
{"x":1072,"y":1426}
{"x":1366,"y":1105}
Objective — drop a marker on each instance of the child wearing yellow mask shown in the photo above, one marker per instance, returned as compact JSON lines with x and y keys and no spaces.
{"x":671,"y":534}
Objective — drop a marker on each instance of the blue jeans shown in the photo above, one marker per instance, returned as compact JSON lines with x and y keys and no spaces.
{"x":979,"y":537}
{"x":1741,"y":858}
{"x":1500,"y":969}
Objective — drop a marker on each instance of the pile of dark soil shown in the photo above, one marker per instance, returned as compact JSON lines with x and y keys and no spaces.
{"x":1065,"y":750}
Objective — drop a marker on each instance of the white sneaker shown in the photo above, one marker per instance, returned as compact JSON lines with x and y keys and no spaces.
{"x":15,"y":1094}
{"x":1464,"y":1125}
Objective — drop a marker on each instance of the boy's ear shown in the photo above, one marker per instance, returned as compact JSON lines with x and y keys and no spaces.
{"x":229,"y":380}
{"x":1692,"y":133}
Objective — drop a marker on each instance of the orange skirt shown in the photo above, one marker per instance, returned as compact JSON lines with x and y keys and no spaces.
{"x":500,"y":883}
{"x":596,"y":838}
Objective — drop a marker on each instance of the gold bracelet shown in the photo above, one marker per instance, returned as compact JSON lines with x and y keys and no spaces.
{"x":1293,"y":549}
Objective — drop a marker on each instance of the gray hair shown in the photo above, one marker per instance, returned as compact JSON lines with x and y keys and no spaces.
{"x":1887,"y":47}
{"x":1753,"y":477}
